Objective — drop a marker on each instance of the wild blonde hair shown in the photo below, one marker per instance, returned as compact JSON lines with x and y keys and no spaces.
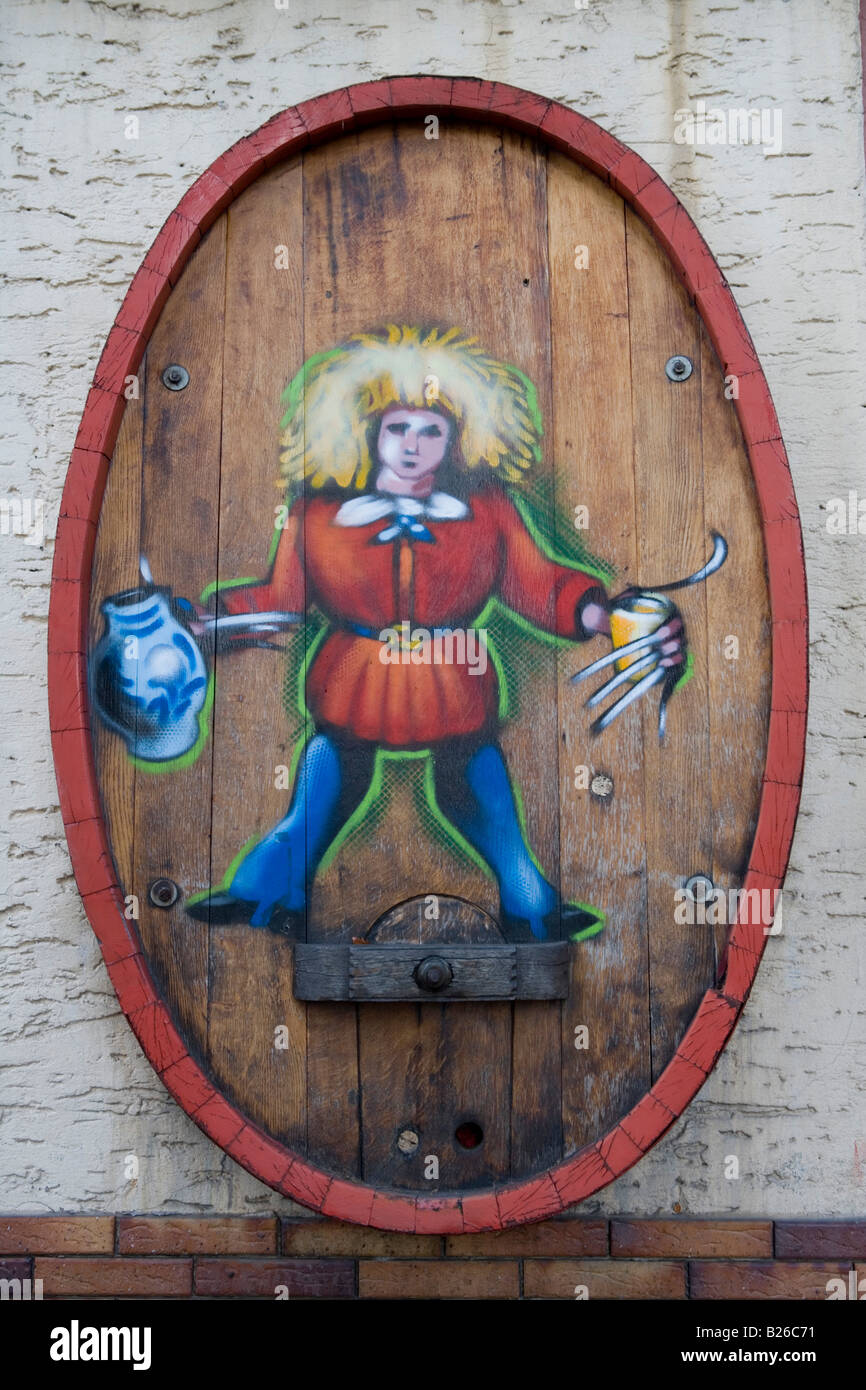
{"x":324,"y":434}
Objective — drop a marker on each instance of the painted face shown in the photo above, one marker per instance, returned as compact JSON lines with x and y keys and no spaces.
{"x":413,"y":443}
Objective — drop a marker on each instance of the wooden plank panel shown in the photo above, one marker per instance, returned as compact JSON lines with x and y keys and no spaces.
{"x":603,"y":837}
{"x":737,"y":608}
{"x":401,"y":229}
{"x":115,"y":568}
{"x":256,"y":1027}
{"x":673,"y":542}
{"x":180,"y":488}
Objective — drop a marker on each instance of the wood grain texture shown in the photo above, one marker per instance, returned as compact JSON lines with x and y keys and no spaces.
{"x":603,"y":838}
{"x":178,"y":535}
{"x":115,"y":567}
{"x":256,"y":1027}
{"x":672,"y":542}
{"x":738,"y":639}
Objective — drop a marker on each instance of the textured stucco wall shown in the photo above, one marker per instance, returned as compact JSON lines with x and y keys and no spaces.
{"x":81,"y":205}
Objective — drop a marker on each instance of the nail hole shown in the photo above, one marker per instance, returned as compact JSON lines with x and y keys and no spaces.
{"x":469,"y":1135}
{"x":408,"y":1141}
{"x":601,"y":786}
{"x":526,"y":282}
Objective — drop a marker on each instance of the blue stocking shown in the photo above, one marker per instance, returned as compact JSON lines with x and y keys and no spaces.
{"x":479,"y":799}
{"x":276,"y":872}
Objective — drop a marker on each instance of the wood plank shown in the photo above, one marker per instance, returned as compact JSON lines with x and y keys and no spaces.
{"x":673,"y":542}
{"x":179,"y":492}
{"x":362,"y":235}
{"x":115,"y":568}
{"x":256,"y":1027}
{"x":602,"y":837}
{"x":737,"y":607}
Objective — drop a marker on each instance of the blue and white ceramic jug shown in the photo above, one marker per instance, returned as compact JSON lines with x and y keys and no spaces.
{"x":148,"y":677}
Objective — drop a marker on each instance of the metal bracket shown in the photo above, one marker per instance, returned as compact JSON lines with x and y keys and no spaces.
{"x":419,"y":972}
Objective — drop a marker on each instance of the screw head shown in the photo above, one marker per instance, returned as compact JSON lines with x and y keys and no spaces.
{"x":432,"y":974}
{"x":163,"y":892}
{"x":175,"y":377}
{"x":699,"y":887}
{"x":678,"y":368}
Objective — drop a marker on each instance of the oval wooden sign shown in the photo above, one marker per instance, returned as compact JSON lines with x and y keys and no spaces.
{"x":427,"y":394}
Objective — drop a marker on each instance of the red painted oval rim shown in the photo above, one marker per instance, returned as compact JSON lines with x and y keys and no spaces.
{"x":293,"y":130}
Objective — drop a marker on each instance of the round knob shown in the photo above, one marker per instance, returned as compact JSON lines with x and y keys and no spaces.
{"x":433,"y":973}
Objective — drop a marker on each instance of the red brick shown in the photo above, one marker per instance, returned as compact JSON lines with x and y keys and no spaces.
{"x":67,"y":687}
{"x":394,"y":1213}
{"x":729,"y":334}
{"x":85,"y":484}
{"x":79,"y":793}
{"x":261,"y":1278}
{"x":56,"y":1235}
{"x":100,"y":421}
{"x":604,"y":1279}
{"x":481,"y":1212}
{"x":790,"y":668}
{"x":770,"y":1279}
{"x":571,"y":1237}
{"x":439,"y":1279}
{"x":829,"y":1240}
{"x":90,"y":855}
{"x":120,"y":1277}
{"x":142,"y":306}
{"x":123,"y":351}
{"x":197,"y":1235}
{"x":264,"y":1157}
{"x":219,"y":1120}
{"x":691,"y":1239}
{"x":786,"y":569}
{"x":348,"y":1202}
{"x":773,"y":481}
{"x":708,"y":1031}
{"x":133,"y":984}
{"x":67,"y":616}
{"x":777,"y":815}
{"x":531,"y":1201}
{"x":339,"y":1238}
{"x":115,"y":934}
{"x":175,"y":242}
{"x":647,"y":1122}
{"x":307,"y":1185}
{"x":678,"y":1083}
{"x":155,"y":1030}
{"x":786,"y":747}
{"x":439,"y":1216}
{"x":581,"y":1176}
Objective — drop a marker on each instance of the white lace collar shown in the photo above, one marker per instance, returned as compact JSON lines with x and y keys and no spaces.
{"x":373,"y":506}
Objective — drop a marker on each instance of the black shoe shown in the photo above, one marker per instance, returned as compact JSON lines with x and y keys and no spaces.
{"x":570,"y":923}
{"x":221,"y":909}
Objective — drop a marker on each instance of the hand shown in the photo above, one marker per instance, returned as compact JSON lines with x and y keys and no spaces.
{"x":673,"y":652}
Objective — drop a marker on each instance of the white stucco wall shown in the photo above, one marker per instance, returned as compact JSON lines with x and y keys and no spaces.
{"x":82,"y":204}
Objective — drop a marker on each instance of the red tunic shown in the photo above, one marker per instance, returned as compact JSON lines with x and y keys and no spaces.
{"x":445,"y":583}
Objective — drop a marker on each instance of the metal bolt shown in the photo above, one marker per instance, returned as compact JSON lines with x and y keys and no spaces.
{"x":432,"y":974}
{"x":175,"y":377}
{"x":678,"y":368}
{"x":408,"y":1141}
{"x":601,"y":786}
{"x":163,"y":892}
{"x":699,"y":887}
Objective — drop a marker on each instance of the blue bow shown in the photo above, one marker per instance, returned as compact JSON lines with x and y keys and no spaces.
{"x":404,"y":525}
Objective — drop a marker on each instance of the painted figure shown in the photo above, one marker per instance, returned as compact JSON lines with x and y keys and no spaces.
{"x":404,"y":453}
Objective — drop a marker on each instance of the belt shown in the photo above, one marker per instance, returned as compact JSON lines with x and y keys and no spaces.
{"x":410,"y":645}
